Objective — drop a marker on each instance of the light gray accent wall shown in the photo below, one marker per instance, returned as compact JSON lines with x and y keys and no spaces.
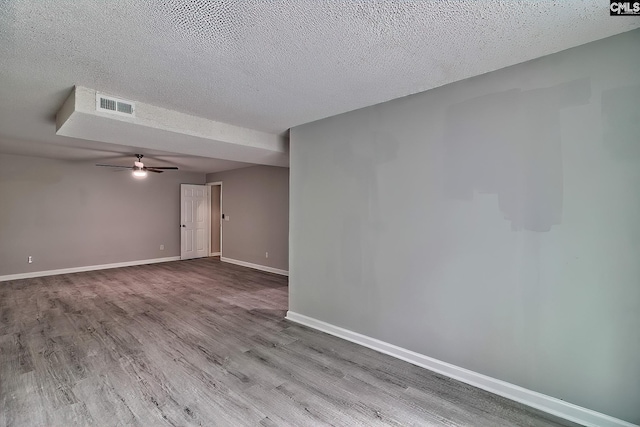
{"x":491,"y":223}
{"x":74,"y":214}
{"x":256,"y":199}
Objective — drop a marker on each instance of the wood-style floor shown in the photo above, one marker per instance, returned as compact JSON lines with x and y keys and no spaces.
{"x":204,"y":343}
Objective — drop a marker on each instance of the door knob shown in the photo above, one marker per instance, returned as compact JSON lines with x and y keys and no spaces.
{"x":183,"y":225}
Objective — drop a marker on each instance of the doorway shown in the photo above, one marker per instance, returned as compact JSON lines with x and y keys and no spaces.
{"x":215,"y":215}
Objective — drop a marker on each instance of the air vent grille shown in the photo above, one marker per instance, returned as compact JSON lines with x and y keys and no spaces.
{"x":114,"y":105}
{"x":125,"y":108}
{"x":108,"y":104}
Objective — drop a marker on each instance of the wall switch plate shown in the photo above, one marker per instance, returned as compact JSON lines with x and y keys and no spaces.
{"x":266,"y":254}
{"x":30,"y":259}
{"x":226,"y":217}
{"x":162,"y":247}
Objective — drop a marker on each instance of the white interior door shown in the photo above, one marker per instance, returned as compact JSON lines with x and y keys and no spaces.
{"x":194,"y":225}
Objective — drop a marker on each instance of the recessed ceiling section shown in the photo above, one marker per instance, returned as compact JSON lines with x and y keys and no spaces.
{"x":157,"y":128}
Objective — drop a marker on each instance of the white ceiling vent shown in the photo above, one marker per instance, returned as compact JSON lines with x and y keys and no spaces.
{"x":109,"y":104}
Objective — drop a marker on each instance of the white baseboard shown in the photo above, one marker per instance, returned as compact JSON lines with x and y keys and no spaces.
{"x":540,"y":401}
{"x":215,"y":254}
{"x":255,"y":266}
{"x":85,"y":268}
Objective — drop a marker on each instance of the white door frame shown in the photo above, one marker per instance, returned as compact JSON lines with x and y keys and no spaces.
{"x":211,"y":184}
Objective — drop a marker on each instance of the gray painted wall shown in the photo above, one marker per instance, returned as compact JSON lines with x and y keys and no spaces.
{"x":491,"y":223}
{"x":256,"y":199}
{"x":215,"y":219}
{"x":70,"y":214}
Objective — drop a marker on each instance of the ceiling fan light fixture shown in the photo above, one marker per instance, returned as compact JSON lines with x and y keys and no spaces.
{"x":139,"y":173}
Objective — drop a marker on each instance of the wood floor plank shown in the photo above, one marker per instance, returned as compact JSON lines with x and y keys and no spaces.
{"x":200,"y":342}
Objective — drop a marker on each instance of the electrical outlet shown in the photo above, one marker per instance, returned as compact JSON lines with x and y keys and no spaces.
{"x":162,"y":247}
{"x":266,"y":254}
{"x":30,"y":259}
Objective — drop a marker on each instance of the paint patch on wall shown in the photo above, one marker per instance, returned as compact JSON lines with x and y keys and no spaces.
{"x":621,"y":121}
{"x":509,"y":144}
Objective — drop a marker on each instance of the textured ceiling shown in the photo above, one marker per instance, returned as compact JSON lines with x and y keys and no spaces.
{"x":267,"y":65}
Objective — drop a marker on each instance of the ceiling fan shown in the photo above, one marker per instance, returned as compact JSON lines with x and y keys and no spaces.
{"x":139,"y":169}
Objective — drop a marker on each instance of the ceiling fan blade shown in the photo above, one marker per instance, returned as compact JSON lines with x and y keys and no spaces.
{"x":114,"y":166}
{"x":152,"y":170}
{"x":164,"y":167}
